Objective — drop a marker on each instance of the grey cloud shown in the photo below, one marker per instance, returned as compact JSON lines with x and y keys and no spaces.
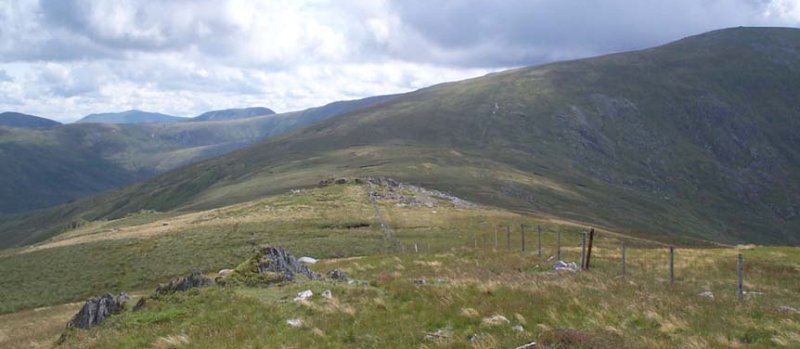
{"x":4,"y":76}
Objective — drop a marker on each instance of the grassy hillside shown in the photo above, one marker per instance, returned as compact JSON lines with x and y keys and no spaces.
{"x":467,"y":282}
{"x":48,"y":167}
{"x":681,"y":142}
{"x":231,"y":114}
{"x":130,"y":117}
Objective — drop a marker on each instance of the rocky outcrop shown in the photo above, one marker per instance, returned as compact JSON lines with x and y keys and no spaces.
{"x":195,"y":279}
{"x":278,"y":260}
{"x":97,"y":309}
{"x":338,"y":275}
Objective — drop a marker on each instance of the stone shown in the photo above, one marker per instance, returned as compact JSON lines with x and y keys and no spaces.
{"x":420,"y":282}
{"x":278,"y":260}
{"x":295,"y":322}
{"x":307,"y":260}
{"x":565,"y":266}
{"x":788,"y":310}
{"x":327,"y":294}
{"x":338,"y":275}
{"x":223,"y":273}
{"x":707,"y":295}
{"x":97,"y":309}
{"x":180,"y":284}
{"x":518,"y":328}
{"x":303,"y":295}
{"x":531,"y":345}
{"x":495,"y":320}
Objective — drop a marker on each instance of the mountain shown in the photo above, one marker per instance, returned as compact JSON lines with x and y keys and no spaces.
{"x":52,"y":166}
{"x":12,"y":119}
{"x":130,"y":117}
{"x":690,"y":141}
{"x":230,"y":114}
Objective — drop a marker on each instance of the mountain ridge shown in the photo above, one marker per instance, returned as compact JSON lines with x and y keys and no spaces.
{"x":21,"y":120}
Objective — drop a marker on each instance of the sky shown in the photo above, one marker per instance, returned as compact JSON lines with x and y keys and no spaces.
{"x":63,"y":59}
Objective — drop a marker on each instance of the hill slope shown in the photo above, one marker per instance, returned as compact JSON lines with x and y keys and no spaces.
{"x":679,"y":141}
{"x":49,"y":167}
{"x":130,"y":117}
{"x":231,"y":114}
{"x":12,"y":119}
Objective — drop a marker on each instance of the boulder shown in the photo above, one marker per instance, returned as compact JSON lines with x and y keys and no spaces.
{"x":327,"y":294}
{"x":307,"y":260}
{"x":707,"y":295}
{"x":278,"y":260}
{"x":303,"y":295}
{"x":565,"y":266}
{"x":338,"y":275}
{"x":97,"y":309}
{"x":223,"y":273}
{"x":179,"y":284}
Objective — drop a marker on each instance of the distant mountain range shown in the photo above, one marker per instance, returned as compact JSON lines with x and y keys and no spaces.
{"x":46,"y":167}
{"x":13,"y":119}
{"x":130,"y":117}
{"x":231,"y":114}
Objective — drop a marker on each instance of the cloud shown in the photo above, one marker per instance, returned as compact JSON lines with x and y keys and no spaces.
{"x":66,"y":58}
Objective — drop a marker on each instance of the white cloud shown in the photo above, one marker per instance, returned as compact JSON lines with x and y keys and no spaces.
{"x":67,"y":58}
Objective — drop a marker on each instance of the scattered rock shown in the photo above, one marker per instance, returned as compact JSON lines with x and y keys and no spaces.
{"x":341,"y":180}
{"x":278,"y":260}
{"x":531,"y":345}
{"x":180,"y":284}
{"x":97,"y":309}
{"x":295,"y":322}
{"x":338,"y":275}
{"x":564,"y":266}
{"x":420,"y":282}
{"x":307,"y":260}
{"x":439,"y":336}
{"x":788,"y":310}
{"x":518,"y":328}
{"x":707,"y":295}
{"x":140,"y":304}
{"x":327,"y":294}
{"x":223,"y":273}
{"x":469,"y":312}
{"x":304,"y":295}
{"x":495,"y":320}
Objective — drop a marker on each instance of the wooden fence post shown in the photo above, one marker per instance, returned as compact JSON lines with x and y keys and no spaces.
{"x":740,"y":278}
{"x":522,"y":235}
{"x":416,"y":249}
{"x":495,"y":237}
{"x":539,"y":240}
{"x":589,"y":249}
{"x":558,"y":244}
{"x":583,"y":251}
{"x":671,"y":265}
{"x":622,"y":247}
{"x":508,"y":237}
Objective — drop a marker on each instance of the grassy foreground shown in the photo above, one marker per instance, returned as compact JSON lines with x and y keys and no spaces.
{"x":468,"y":281}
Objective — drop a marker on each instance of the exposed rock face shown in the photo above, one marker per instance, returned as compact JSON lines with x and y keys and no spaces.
{"x":565,"y":266}
{"x":278,"y":260}
{"x":195,"y":279}
{"x":97,"y":309}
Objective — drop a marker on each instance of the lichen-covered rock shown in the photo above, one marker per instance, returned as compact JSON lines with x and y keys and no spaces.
{"x":193,"y":280}
{"x":97,"y":309}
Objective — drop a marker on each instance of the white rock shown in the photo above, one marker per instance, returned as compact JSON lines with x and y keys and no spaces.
{"x":327,"y":294}
{"x":495,"y":320}
{"x":295,"y":322}
{"x":223,"y":273}
{"x":303,"y":295}
{"x":518,"y":328}
{"x":564,"y":266}
{"x":306,"y":260}
{"x":707,"y":295}
{"x":788,"y":310}
{"x":531,"y":345}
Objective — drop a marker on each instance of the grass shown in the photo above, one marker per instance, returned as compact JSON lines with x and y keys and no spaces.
{"x":464,"y":285}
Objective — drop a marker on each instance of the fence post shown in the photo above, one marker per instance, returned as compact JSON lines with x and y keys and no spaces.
{"x":740,"y":277}
{"x":583,"y":251}
{"x":508,"y":237}
{"x":416,"y":249}
{"x":623,"y":257}
{"x":522,"y":235}
{"x":558,"y":244}
{"x":671,"y":265}
{"x":589,"y":249}
{"x":539,"y":240}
